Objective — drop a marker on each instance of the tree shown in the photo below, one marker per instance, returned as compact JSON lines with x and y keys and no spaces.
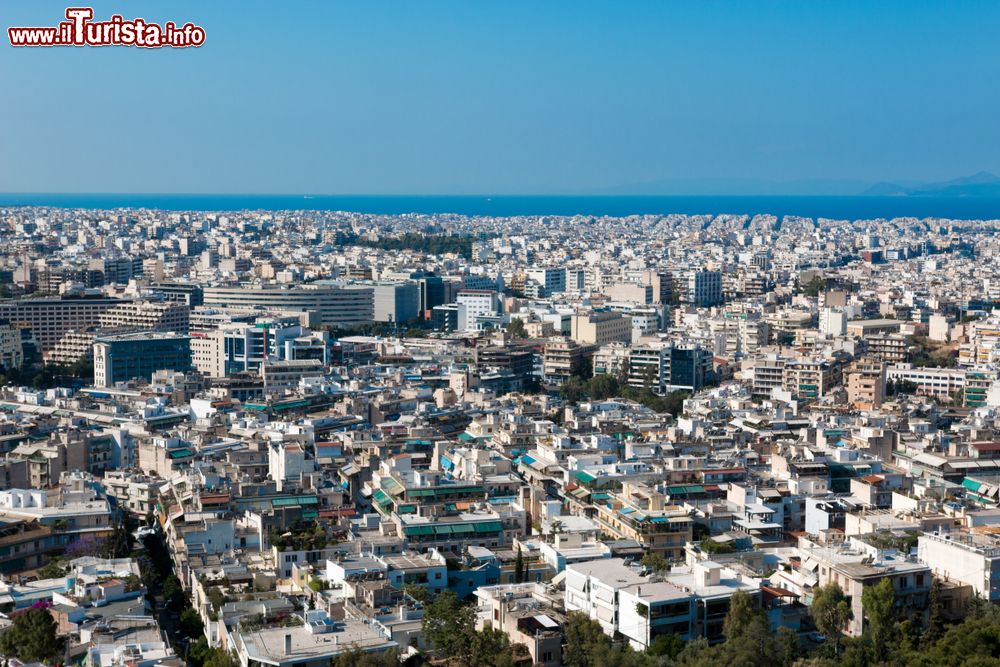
{"x":669,"y":646}
{"x":132,"y":583}
{"x":935,"y":624}
{"x":218,"y":657}
{"x":32,"y":637}
{"x":216,"y":597}
{"x":655,"y":562}
{"x":710,"y":546}
{"x":487,"y":648}
{"x":814,"y":287}
{"x":516,"y":328}
{"x":583,"y":640}
{"x":831,"y":613}
{"x":742,"y":612}
{"x":173,"y":592}
{"x":519,"y":566}
{"x":674,"y":402}
{"x":190,"y":623}
{"x":788,"y":646}
{"x":359,"y":658}
{"x":448,"y":625}
{"x":879,"y":603}
{"x":51,"y":571}
{"x":748,"y":634}
{"x":573,"y":390}
{"x":417,"y":592}
{"x":602,"y":386}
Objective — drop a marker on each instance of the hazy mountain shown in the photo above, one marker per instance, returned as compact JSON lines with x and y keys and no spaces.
{"x":982,"y":184}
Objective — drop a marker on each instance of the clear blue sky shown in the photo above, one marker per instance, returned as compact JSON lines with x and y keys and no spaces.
{"x":498,"y":97}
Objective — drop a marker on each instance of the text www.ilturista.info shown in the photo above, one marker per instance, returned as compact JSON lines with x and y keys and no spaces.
{"x":80,"y":30}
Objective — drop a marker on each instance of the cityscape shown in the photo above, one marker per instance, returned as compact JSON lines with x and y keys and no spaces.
{"x":293,"y":436}
{"x":459,"y":334}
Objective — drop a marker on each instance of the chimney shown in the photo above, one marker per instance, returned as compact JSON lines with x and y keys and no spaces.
{"x":288,"y":644}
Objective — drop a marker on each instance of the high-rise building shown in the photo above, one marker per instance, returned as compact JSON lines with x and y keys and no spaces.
{"x":551,"y":279}
{"x":334,"y":305}
{"x":132,"y":356}
{"x":50,"y":318}
{"x":396,"y":301}
{"x":705,"y":288}
{"x":477,"y":303}
{"x":667,"y":367}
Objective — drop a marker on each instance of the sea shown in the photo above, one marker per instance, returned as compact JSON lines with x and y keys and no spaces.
{"x":835,"y":207}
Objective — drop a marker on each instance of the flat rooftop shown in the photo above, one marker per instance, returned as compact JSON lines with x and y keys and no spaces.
{"x":268,"y":645}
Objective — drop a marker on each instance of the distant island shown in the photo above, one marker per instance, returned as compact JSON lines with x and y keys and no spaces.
{"x":982,"y":184}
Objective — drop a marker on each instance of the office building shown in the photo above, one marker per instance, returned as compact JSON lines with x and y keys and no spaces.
{"x":704,"y":288}
{"x":334,"y":305}
{"x":125,"y":357}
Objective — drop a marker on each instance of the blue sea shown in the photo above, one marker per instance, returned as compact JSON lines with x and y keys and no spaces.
{"x":837,"y":207}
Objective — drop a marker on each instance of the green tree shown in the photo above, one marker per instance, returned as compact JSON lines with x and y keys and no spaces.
{"x":583,"y":640}
{"x":216,"y":597}
{"x":748,"y":634}
{"x":32,"y":638}
{"x":740,"y":619}
{"x":669,"y":646}
{"x":516,"y":328}
{"x":878,"y":603}
{"x":217,"y":657}
{"x":519,"y":566}
{"x":173,"y":592}
{"x":50,"y":570}
{"x":448,"y":625}
{"x":975,"y":641}
{"x":487,"y":648}
{"x":788,"y":646}
{"x":190,"y":623}
{"x":814,"y":287}
{"x":831,"y":613}
{"x":356,"y":657}
{"x":602,"y":386}
{"x":655,"y":562}
{"x":674,"y":402}
{"x":417,"y":592}
{"x":573,"y":390}
{"x":710,"y":546}
{"x":935,"y":624}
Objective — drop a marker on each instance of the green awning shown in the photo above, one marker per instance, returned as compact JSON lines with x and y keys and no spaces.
{"x":489,"y":527}
{"x":971,"y":484}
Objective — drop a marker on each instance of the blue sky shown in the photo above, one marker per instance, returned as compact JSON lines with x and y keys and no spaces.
{"x":461,"y":97}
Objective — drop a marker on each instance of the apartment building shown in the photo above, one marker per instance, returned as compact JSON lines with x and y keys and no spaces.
{"x":810,"y":379}
{"x":866,"y":385}
{"x":704,"y":288}
{"x":666,"y":367}
{"x":688,"y":602}
{"x":564,"y":358}
{"x":970,"y":558}
{"x":600,"y":327}
{"x":888,"y":348}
